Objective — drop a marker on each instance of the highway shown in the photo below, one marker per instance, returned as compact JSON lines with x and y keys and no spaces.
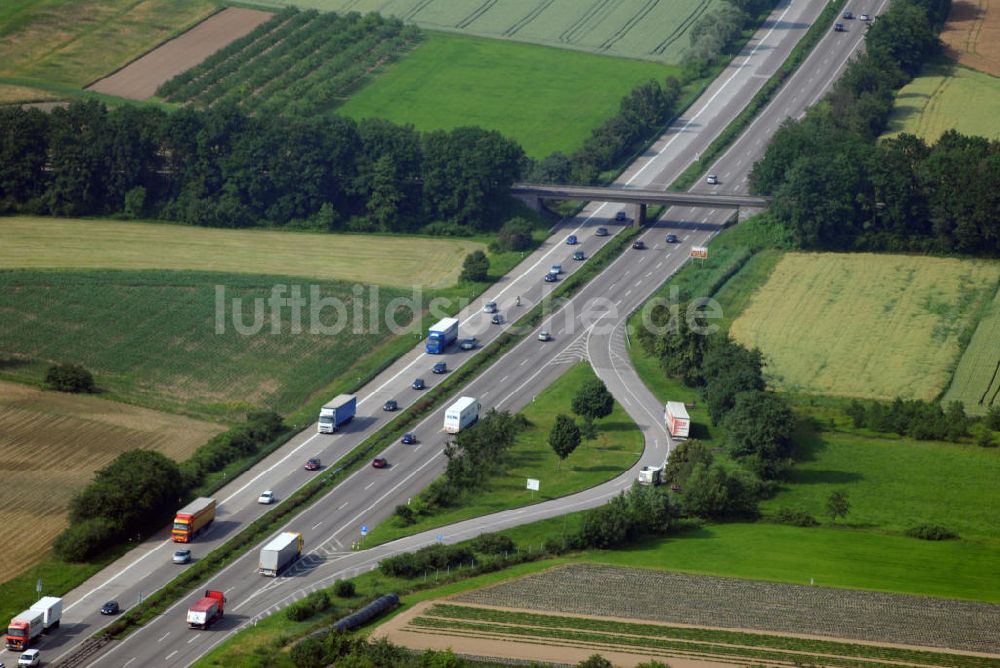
{"x":580,"y":331}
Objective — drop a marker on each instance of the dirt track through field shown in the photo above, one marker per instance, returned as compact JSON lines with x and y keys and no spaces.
{"x":972,"y":35}
{"x":140,"y":79}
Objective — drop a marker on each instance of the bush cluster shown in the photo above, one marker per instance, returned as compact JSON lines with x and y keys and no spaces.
{"x":431,"y":558}
{"x":69,"y":378}
{"x":260,"y":429}
{"x":922,"y":420}
{"x":931,"y":532}
{"x":310,"y":606}
{"x":795,"y":517}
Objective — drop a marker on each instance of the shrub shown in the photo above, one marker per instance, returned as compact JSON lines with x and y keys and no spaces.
{"x":344,"y":589}
{"x":69,"y":378}
{"x":515,"y":235}
{"x":795,"y":517}
{"x":493,"y":543}
{"x":931,"y":532}
{"x":308,"y":653}
{"x":313,"y":604}
{"x":476,"y":267}
{"x":405,"y":514}
{"x":83,"y":540}
{"x":430,"y":558}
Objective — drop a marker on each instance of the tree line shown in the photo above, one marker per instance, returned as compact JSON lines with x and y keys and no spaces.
{"x":836,"y":187}
{"x":224,"y":168}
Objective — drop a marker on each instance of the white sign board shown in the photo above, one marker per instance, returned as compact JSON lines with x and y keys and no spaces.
{"x":532,"y":484}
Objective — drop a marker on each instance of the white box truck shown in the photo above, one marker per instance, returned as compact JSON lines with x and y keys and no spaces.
{"x":279,"y":553}
{"x":461,"y":414}
{"x":677,"y":420}
{"x":650,"y":475}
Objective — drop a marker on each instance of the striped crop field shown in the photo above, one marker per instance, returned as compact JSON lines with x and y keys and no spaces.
{"x":177,"y":340}
{"x":646,"y":29}
{"x":53,"y":442}
{"x":976,"y":382}
{"x":947,"y":97}
{"x":866,"y":325}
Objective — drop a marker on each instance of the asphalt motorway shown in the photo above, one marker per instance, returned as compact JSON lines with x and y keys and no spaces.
{"x":368,"y":495}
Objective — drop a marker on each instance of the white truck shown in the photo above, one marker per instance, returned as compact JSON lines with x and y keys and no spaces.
{"x":461,"y":414}
{"x":676,"y":417}
{"x":279,"y":553}
{"x":41,"y":617}
{"x":650,"y":475}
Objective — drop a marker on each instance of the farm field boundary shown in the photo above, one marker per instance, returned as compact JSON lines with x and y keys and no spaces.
{"x":815,"y":316}
{"x":520,"y":633}
{"x":630,"y":28}
{"x":709,"y":601}
{"x":945,"y":97}
{"x":74,"y":42}
{"x":52,"y":444}
{"x":976,"y":382}
{"x":139,"y":79}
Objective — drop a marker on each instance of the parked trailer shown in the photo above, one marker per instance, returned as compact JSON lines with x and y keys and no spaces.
{"x":206,"y":610}
{"x":192,"y":518}
{"x":676,"y":417}
{"x":338,"y":411}
{"x":41,"y":617}
{"x":461,"y":414}
{"x":280,"y":553}
{"x":441,"y":335}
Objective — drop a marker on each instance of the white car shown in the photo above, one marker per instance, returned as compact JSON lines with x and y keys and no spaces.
{"x":865,"y":17}
{"x":544,"y":336}
{"x":266,"y":497}
{"x":29,"y":658}
{"x":490,"y":307}
{"x":713,"y":180}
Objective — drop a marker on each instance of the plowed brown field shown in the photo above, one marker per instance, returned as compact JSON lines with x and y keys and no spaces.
{"x":140,"y":79}
{"x":51,"y":444}
{"x":972,"y":35}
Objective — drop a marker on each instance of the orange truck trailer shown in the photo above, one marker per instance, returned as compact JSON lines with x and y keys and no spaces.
{"x":206,"y":610}
{"x":192,"y":518}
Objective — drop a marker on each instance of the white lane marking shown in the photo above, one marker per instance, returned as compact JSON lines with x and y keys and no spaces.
{"x":317,"y":524}
{"x":618,"y":303}
{"x":368,"y":486}
{"x":164,"y":636}
{"x":524,"y":362}
{"x":343,"y":505}
{"x":627,"y":293}
{"x":503,"y":379}
{"x":194,"y":637}
{"x":128,"y":662}
{"x":638,"y":283}
{"x":171,"y":654}
{"x":708,"y":104}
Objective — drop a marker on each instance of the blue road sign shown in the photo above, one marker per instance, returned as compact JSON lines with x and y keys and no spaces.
{"x":364,"y":529}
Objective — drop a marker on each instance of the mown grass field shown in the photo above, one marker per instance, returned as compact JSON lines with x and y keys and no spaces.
{"x":976,"y":382}
{"x":58,"y":243}
{"x":77,"y":41}
{"x":53,"y":442}
{"x":530,"y":93}
{"x":631,"y":28}
{"x":618,"y":444}
{"x":945,"y":97}
{"x":865,"y":325}
{"x":151,"y":337}
{"x":895,"y":484}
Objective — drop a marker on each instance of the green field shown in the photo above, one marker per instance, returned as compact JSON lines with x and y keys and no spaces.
{"x":865,"y":325}
{"x":77,"y":41}
{"x":976,"y":382}
{"x":947,"y":96}
{"x":618,"y":444}
{"x":61,"y":243}
{"x":546,"y":99}
{"x":151,"y":337}
{"x":629,"y":28}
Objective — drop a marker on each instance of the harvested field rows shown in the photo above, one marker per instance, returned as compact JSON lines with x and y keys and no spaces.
{"x":976,"y":382}
{"x":648,"y":29}
{"x":51,"y":444}
{"x":972,"y":35}
{"x":866,"y":325}
{"x":748,"y":604}
{"x":140,"y":79}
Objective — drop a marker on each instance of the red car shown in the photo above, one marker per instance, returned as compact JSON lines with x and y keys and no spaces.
{"x":313,"y":464}
{"x":380,"y":462}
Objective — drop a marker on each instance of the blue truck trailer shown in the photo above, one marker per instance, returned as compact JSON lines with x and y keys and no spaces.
{"x":337,"y":412}
{"x":441,"y":335}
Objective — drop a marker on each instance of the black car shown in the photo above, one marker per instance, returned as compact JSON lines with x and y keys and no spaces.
{"x":848,"y":15}
{"x":418,"y":384}
{"x":408,"y":439}
{"x":440,"y":367}
{"x":110,"y":608}
{"x":469,"y":343}
{"x":579,"y":256}
{"x":390,"y":405}
{"x":497,"y":319}
{"x":551,"y":278}
{"x":838,"y":27}
{"x":672,"y":238}
{"x":638,"y":244}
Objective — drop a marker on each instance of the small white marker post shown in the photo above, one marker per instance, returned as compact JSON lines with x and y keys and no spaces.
{"x":533,"y":486}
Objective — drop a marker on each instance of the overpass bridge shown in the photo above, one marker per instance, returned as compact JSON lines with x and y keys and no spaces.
{"x":540,"y":191}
